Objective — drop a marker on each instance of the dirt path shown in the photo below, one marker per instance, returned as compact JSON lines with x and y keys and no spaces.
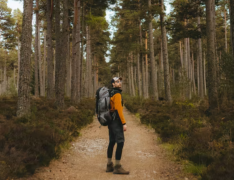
{"x":86,"y":159}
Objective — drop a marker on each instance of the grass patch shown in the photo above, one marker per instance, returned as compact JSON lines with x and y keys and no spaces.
{"x":194,"y":169}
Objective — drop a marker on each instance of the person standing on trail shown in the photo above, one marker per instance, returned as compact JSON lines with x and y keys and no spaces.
{"x":116,"y":128}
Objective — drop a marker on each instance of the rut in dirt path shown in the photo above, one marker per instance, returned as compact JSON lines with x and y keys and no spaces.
{"x":86,"y":159}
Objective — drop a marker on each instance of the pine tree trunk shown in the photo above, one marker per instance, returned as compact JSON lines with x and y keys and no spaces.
{"x":68,"y":79}
{"x":165,"y":57}
{"x":147,"y":68}
{"x":40,"y":61}
{"x":200,"y":64}
{"x":139,"y":75}
{"x":74,"y":59}
{"x":129,"y":77}
{"x":142,"y":65}
{"x":204,"y":72}
{"x":225,"y":29}
{"x":185,"y":56}
{"x":23,"y":104}
{"x":5,"y":75}
{"x":82,"y":54}
{"x":18,"y":63}
{"x":44,"y":64}
{"x":152,"y":59}
{"x":50,"y":66}
{"x":211,"y":57}
{"x":78,"y":56}
{"x":198,"y":75}
{"x":87,"y":61}
{"x":36,"y":90}
{"x":61,"y":52}
{"x":232,"y":24}
{"x":181,"y":55}
{"x":132,"y":79}
{"x":36,"y":70}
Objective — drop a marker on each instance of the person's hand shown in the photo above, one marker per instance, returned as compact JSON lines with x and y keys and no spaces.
{"x":125,"y":127}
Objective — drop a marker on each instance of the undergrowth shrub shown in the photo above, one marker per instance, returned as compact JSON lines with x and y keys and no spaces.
{"x":204,"y":138}
{"x":29,"y":142}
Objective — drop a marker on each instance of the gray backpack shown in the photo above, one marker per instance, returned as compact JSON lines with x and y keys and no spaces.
{"x":103,"y":106}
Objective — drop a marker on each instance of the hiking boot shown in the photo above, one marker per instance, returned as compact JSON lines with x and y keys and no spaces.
{"x":119,"y":170}
{"x":110,"y":167}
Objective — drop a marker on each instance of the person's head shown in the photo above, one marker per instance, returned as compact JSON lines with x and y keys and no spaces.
{"x":116,"y":82}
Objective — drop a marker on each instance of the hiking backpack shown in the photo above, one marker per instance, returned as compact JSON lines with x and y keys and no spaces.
{"x":103,"y":106}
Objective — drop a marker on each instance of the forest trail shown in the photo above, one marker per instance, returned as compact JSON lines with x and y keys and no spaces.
{"x":86,"y":159}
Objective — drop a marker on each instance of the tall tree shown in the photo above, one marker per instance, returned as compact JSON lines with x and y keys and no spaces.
{"x":23,"y":104}
{"x":200,"y":62}
{"x":61,"y":52}
{"x":50,"y":67}
{"x":152,"y":59}
{"x":232,"y":24}
{"x":211,"y":56}
{"x":165,"y":56}
{"x":36,"y":58}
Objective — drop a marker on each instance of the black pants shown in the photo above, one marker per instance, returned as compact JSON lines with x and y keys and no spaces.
{"x":116,"y":135}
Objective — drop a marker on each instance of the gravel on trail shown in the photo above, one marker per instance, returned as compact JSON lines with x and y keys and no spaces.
{"x":86,"y":158}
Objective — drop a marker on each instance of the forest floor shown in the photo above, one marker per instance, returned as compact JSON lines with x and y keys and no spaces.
{"x":143,"y":156}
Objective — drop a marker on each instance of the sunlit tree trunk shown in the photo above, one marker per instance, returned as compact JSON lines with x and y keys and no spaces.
{"x":23,"y":103}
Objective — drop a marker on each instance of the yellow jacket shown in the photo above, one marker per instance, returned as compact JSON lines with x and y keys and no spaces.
{"x":116,"y":104}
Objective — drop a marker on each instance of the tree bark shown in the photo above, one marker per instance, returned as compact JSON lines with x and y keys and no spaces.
{"x":23,"y":104}
{"x":132,"y":79}
{"x":200,"y":63}
{"x":19,"y":44}
{"x":165,"y":57}
{"x":232,"y":24}
{"x":211,"y":56}
{"x":36,"y":70}
{"x":44,"y":64}
{"x":78,"y":56}
{"x":181,"y":55}
{"x":74,"y":60}
{"x":152,"y":59}
{"x":68,"y":65}
{"x":40,"y":61}
{"x":61,"y":52}
{"x":36,"y":86}
{"x":225,"y":29}
{"x":50,"y":66}
{"x":146,"y":67}
{"x":139,"y":75}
